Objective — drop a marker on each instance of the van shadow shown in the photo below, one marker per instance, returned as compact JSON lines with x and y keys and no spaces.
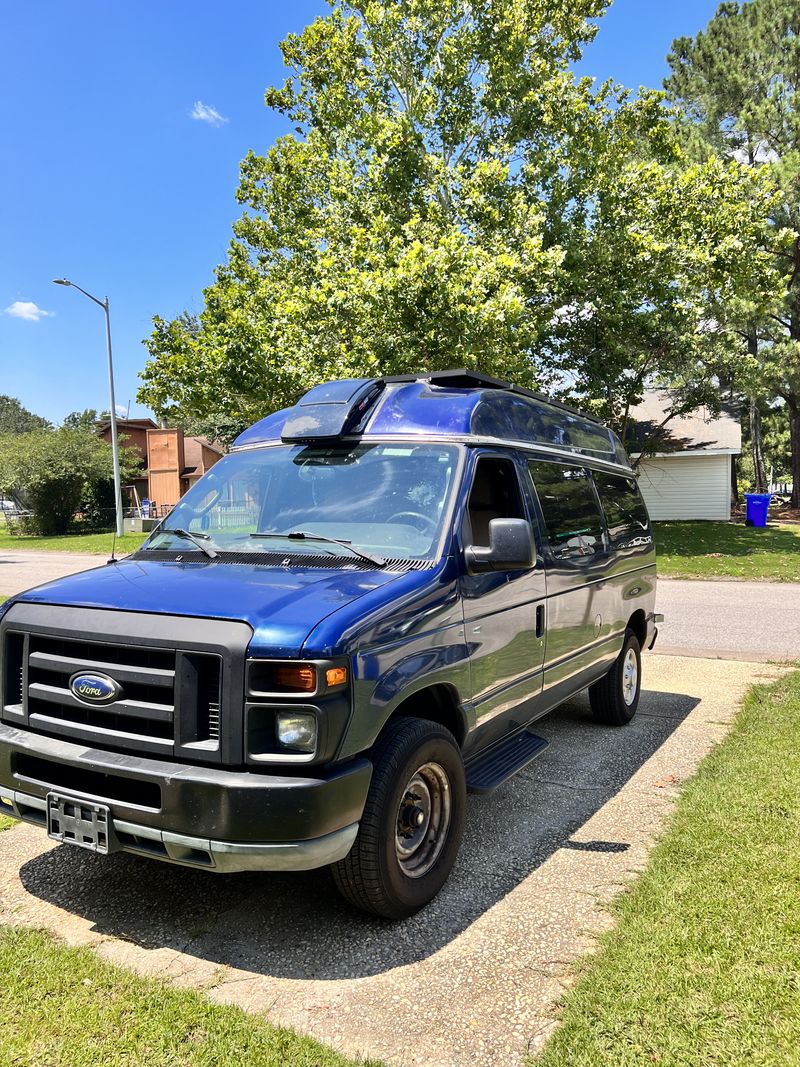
{"x":296,"y":926}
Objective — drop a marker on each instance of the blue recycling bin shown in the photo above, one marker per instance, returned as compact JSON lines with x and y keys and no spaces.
{"x":757,"y":508}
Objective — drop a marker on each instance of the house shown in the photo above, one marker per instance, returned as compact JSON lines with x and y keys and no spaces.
{"x":171,"y":461}
{"x":687,"y":472}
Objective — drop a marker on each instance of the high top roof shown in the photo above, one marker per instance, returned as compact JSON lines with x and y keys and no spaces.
{"x":448,"y":404}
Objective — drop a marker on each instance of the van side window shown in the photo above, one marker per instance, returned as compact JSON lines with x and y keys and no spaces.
{"x":626,"y":515}
{"x":494,"y":495}
{"x":569,"y":505}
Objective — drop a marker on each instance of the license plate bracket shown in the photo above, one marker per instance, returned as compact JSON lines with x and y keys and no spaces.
{"x":80,"y":822}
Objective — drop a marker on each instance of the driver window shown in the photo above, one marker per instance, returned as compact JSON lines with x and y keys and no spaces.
{"x":494,"y":495}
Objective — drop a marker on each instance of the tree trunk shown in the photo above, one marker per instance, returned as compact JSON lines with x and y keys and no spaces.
{"x":757,"y":447}
{"x":793,"y":404}
{"x":734,"y":483}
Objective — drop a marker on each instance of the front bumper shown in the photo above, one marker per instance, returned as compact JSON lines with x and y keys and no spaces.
{"x":197,"y":816}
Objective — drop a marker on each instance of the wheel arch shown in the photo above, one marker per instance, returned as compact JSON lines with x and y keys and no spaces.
{"x":437,"y":703}
{"x":637,"y":623}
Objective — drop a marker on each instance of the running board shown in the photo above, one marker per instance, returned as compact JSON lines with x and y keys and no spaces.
{"x":504,"y":760}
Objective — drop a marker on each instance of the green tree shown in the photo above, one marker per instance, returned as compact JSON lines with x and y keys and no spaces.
{"x":736,"y":84}
{"x":14,"y":418}
{"x":53,"y":470}
{"x":86,"y":419}
{"x":452,"y":195}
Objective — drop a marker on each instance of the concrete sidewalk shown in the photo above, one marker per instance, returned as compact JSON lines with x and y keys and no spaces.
{"x":473,"y":980}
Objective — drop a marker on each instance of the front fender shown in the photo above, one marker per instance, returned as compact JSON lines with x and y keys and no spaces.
{"x":384,"y":678}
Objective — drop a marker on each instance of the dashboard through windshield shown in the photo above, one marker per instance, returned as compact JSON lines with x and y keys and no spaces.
{"x":386,"y":500}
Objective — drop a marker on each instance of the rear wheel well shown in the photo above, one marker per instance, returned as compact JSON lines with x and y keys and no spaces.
{"x":436,"y":703}
{"x":637,"y":623}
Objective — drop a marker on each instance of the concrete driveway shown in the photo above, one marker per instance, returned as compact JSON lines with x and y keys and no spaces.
{"x":474,"y":978}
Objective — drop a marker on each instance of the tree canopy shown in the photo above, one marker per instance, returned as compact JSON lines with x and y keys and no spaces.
{"x":736,"y":84}
{"x":451,"y":195}
{"x":14,"y":418}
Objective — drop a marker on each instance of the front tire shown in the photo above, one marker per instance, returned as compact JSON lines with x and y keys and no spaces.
{"x":615,"y":697}
{"x":412,"y":824}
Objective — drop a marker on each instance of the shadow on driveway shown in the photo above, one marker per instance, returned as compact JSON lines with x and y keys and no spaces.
{"x":295,"y":926}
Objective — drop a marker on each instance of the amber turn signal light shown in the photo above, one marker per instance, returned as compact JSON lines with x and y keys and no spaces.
{"x":295,"y":678}
{"x":336,"y":676}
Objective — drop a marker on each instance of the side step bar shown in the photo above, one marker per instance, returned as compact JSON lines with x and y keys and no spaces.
{"x":504,"y":760}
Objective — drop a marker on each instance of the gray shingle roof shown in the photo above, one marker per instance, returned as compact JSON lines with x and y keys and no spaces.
{"x":700,"y":430}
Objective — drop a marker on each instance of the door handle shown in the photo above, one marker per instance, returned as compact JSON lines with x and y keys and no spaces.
{"x":540,"y":620}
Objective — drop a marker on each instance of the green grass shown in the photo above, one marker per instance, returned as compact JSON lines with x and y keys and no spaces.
{"x":728,"y":550}
{"x":64,"y":1007}
{"x":92,"y":542}
{"x":704,"y":964}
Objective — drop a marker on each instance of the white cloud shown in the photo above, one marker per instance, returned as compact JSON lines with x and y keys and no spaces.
{"x":26,"y":309}
{"x":205,"y":113}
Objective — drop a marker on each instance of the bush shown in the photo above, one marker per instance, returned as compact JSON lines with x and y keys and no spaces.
{"x":53,"y":471}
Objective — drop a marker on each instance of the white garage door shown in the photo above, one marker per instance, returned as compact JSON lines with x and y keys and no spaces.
{"x":689,"y":487}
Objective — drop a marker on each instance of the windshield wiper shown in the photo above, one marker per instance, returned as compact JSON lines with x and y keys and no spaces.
{"x":301,"y":535}
{"x":194,"y":538}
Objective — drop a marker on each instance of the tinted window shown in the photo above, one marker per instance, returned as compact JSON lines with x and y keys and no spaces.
{"x":626,"y":515}
{"x":571,"y":515}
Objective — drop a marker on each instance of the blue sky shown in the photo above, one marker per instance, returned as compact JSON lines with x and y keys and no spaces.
{"x":107,"y":179}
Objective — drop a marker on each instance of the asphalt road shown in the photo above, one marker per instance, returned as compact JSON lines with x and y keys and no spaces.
{"x":471,"y":981}
{"x":21,"y":570}
{"x":753,"y":621}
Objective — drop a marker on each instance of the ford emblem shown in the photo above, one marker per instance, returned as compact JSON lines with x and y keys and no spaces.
{"x":94,"y":688}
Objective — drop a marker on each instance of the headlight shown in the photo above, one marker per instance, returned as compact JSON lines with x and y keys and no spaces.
{"x":296,"y":730}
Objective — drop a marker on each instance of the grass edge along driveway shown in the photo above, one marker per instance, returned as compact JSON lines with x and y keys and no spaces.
{"x":703,"y":964}
{"x":65,"y":1007}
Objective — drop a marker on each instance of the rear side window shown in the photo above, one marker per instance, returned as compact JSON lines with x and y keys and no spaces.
{"x":626,"y":515}
{"x":571,"y":516}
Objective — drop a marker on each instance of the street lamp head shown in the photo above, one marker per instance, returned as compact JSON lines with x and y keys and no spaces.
{"x":61,"y":281}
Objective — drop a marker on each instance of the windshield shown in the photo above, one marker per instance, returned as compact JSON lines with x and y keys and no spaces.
{"x":384,"y":499}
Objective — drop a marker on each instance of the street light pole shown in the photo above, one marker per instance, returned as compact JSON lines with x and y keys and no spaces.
{"x":113,"y":409}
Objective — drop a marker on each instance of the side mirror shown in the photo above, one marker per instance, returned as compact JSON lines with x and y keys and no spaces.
{"x":511,"y":548}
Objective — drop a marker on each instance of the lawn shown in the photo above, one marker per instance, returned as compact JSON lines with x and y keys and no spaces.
{"x":64,"y":1007}
{"x":91,"y":542}
{"x":728,"y":550}
{"x":703,"y":965}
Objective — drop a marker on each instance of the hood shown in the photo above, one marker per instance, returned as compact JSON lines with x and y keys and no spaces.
{"x":281,"y":604}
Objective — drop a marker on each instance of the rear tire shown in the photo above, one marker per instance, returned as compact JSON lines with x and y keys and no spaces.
{"x":412,"y":825}
{"x":615,"y":697}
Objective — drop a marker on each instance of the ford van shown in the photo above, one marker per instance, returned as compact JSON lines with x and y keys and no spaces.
{"x":351,"y":621}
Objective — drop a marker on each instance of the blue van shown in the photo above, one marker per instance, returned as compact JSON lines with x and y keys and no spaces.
{"x":346,"y":625}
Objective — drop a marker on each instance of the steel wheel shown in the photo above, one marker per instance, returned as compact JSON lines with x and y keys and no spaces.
{"x":412,"y":824}
{"x":630,"y":677}
{"x":423,"y":819}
